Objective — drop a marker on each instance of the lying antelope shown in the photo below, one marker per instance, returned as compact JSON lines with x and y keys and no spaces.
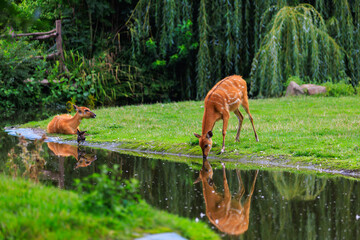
{"x":226,"y":213}
{"x":65,"y":150}
{"x":68,"y":124}
{"x":225,"y":97}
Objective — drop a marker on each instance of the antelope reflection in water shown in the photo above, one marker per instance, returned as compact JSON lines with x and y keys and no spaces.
{"x":64,"y":150}
{"x":226,"y":213}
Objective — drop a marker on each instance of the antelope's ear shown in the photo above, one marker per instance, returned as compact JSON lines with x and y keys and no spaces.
{"x":197,"y":180}
{"x":209,"y":134}
{"x":197,"y":135}
{"x":75,"y":107}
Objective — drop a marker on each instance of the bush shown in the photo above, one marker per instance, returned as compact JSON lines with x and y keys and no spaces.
{"x":96,"y":81}
{"x":296,"y":79}
{"x":20,"y":75}
{"x":104,"y":192}
{"x":342,"y":88}
{"x":338,"y":89}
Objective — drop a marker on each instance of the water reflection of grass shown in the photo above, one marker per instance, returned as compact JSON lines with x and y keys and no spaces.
{"x":298,"y":186}
{"x":33,"y":211}
{"x":314,"y":130}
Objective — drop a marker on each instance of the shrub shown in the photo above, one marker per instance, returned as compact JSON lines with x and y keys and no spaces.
{"x":99,"y":80}
{"x":342,"y":88}
{"x":338,"y":89}
{"x":20,"y":73}
{"x":296,"y":79}
{"x":105,"y":193}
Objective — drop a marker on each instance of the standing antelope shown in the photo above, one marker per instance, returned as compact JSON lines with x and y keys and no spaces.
{"x":225,"y":97}
{"x":68,"y":124}
{"x":226,"y":213}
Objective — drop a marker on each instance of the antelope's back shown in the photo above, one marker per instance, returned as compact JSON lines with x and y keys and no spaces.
{"x":235,"y":222}
{"x":229,"y":91}
{"x":63,"y":150}
{"x":56,"y":124}
{"x":230,"y":84}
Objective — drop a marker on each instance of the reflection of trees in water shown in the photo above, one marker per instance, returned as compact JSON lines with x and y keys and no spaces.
{"x":298,"y":186}
{"x":167,"y":185}
{"x":325,"y":209}
{"x":27,"y":161}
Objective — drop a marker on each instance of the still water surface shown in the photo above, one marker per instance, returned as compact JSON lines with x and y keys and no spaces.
{"x":283,"y":205}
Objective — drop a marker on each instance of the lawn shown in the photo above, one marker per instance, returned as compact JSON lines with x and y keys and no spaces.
{"x":34,"y":211}
{"x":303,"y":130}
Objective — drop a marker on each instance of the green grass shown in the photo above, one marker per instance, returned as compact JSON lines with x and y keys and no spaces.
{"x":303,"y":130}
{"x":33,"y":211}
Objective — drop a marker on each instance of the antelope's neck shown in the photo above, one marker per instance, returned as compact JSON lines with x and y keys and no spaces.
{"x":209,"y":120}
{"x":75,"y":121}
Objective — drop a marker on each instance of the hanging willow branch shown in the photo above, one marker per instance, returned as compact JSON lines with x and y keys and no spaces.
{"x":203,"y":56}
{"x":296,"y":44}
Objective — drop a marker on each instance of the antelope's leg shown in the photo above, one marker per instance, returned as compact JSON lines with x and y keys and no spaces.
{"x":240,"y":118}
{"x":241,"y":191}
{"x":245,"y":105}
{"x":226,"y":117}
{"x":227,"y":195}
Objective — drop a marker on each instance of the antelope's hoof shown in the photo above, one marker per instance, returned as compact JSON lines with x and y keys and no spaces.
{"x":222,"y":150}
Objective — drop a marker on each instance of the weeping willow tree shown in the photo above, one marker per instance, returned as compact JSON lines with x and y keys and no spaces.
{"x":266,"y":40}
{"x":296,"y":43}
{"x":344,"y":27}
{"x":221,"y":42}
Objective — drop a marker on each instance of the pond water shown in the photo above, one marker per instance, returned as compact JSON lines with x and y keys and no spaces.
{"x":256,"y":205}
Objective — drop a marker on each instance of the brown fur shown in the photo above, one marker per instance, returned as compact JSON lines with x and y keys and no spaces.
{"x":225,"y":97}
{"x":225,"y":213}
{"x":66,"y":150}
{"x":67,"y":124}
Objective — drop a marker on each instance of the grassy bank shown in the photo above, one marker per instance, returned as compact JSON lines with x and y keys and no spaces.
{"x":303,"y":130}
{"x":32,"y":211}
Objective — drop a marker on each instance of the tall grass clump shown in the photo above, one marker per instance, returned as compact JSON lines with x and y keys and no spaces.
{"x":100,"y":80}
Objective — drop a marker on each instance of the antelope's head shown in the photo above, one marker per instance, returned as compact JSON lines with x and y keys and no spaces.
{"x":84,"y":159}
{"x":205,"y":142}
{"x":206,"y":174}
{"x":84,"y":112}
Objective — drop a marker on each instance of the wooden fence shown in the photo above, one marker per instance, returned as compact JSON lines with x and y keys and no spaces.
{"x":55,"y":33}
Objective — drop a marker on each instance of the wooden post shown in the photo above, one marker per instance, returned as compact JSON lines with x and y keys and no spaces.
{"x":59,"y":44}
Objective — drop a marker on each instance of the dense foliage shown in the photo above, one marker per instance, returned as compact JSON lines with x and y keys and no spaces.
{"x":18,"y":65}
{"x":122,"y":51}
{"x":105,"y":192}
